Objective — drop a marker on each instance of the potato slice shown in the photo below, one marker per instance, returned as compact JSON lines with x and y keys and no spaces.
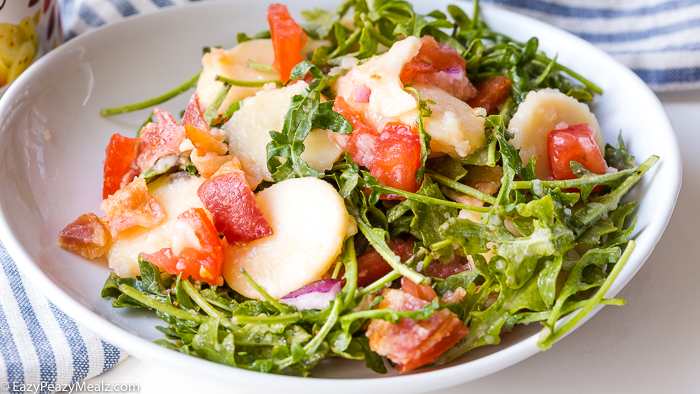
{"x":233,"y":64}
{"x":176,"y":194}
{"x":249,"y":133}
{"x":538,"y":115}
{"x":309,"y":224}
{"x":453,"y":126}
{"x":29,"y":28}
{"x":25,"y":57}
{"x":11,"y":39}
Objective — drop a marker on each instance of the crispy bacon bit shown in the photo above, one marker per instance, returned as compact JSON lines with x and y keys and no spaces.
{"x":230,"y":167}
{"x":411,"y":344}
{"x":454,"y":296}
{"x":441,"y":66}
{"x":204,"y":142}
{"x":86,"y":236}
{"x":121,"y":152}
{"x":158,"y":140}
{"x":371,"y":266}
{"x":425,"y":293}
{"x":233,"y":206}
{"x":193,"y":114}
{"x":210,"y":163}
{"x":360,"y":144}
{"x":131,"y":206}
{"x":491,"y":92}
{"x":198,"y":254}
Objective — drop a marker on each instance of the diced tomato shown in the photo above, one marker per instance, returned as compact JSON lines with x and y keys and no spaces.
{"x":287,"y":40}
{"x":203,"y":262}
{"x":371,"y":266}
{"x":425,"y":293}
{"x":86,"y":236}
{"x":432,"y":57}
{"x":411,"y":344}
{"x":233,"y":207}
{"x":574,"y":143}
{"x":491,"y":92}
{"x":441,"y":66}
{"x":131,"y":206}
{"x":158,"y":140}
{"x":397,"y":157}
{"x":193,"y":114}
{"x":121,"y":152}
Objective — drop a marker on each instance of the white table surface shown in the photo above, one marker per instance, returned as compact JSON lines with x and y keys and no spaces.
{"x":651,"y":345}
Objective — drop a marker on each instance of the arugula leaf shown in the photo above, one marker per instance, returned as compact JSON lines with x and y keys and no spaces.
{"x":306,"y":113}
{"x":618,"y":157}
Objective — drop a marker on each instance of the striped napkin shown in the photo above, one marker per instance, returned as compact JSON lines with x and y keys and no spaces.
{"x":39,"y":344}
{"x":658,"y":39}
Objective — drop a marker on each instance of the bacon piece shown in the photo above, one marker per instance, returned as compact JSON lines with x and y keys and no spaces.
{"x":425,"y":293}
{"x":361,"y":143}
{"x":204,"y":142}
{"x":210,"y":163}
{"x":454,"y":296}
{"x":196,"y":249}
{"x":121,"y":152}
{"x":411,"y":344}
{"x":441,"y":66}
{"x":131,"y":206}
{"x":159,"y":139}
{"x":193,"y":114}
{"x":233,"y":206}
{"x":371,"y":266}
{"x":86,"y":236}
{"x":491,"y":92}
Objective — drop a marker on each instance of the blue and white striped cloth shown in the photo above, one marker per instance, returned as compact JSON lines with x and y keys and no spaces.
{"x":39,"y":343}
{"x":658,"y":39}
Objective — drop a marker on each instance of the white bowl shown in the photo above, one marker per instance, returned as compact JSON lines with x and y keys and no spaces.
{"x":46,"y":182}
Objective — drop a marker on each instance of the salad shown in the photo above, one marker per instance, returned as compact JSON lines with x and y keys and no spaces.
{"x":371,"y":184}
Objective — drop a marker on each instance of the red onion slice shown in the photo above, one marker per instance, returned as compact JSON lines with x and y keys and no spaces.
{"x":362,"y":93}
{"x":315,"y":295}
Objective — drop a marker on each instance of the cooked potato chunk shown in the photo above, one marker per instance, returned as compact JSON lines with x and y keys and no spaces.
{"x":176,"y":194}
{"x":233,"y":63}
{"x":309,"y":224}
{"x":538,"y":115}
{"x":249,"y":133}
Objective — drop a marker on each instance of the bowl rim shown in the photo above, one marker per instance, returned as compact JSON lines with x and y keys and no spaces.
{"x":430,"y":379}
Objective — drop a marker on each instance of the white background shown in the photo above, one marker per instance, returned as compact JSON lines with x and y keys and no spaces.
{"x":651,"y":345}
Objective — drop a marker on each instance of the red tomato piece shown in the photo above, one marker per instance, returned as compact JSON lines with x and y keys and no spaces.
{"x":193,"y":114}
{"x":441,"y":66}
{"x":411,"y":344}
{"x":233,"y":207}
{"x":575,"y":143}
{"x":432,"y":57}
{"x":158,"y":140}
{"x":287,"y":40}
{"x":425,"y":293}
{"x":491,"y":92}
{"x":371,"y":266}
{"x":203,"y":262}
{"x":121,"y":152}
{"x":397,"y":157}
